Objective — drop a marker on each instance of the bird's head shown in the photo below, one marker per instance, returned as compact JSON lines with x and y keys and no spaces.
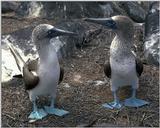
{"x":119,"y":24}
{"x":44,"y":32}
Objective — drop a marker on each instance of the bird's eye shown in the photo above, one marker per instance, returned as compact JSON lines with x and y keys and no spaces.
{"x":49,"y":33}
{"x":111,"y":24}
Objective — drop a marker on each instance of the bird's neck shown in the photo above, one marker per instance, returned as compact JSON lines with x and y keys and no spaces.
{"x":121,"y":46}
{"x":122,"y":43}
{"x":47,"y":53}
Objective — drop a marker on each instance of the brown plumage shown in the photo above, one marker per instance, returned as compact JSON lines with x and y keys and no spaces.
{"x":107,"y":69}
{"x":61,"y":75}
{"x":139,"y":67}
{"x":31,"y":79}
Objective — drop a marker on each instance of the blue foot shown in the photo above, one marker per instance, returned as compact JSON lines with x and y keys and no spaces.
{"x":112,"y":105}
{"x":55,"y":111}
{"x":134,"y":102}
{"x":39,"y":114}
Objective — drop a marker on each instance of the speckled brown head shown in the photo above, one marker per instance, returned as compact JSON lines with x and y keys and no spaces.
{"x":44,"y":32}
{"x":123,"y":24}
{"x":40,"y":32}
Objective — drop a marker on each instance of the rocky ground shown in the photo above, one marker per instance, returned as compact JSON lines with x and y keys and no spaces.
{"x":83,"y":90}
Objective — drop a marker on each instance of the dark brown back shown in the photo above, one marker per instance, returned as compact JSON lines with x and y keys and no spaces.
{"x":61,"y":75}
{"x":31,"y":80}
{"x":139,"y":67}
{"x":107,"y":69}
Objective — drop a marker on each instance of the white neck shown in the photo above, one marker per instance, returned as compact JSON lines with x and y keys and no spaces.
{"x":122,"y":43}
{"x":121,"y":46}
{"x":47,"y":53}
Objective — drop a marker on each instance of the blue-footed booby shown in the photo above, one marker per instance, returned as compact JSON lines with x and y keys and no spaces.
{"x":41,"y":76}
{"x":122,"y":67}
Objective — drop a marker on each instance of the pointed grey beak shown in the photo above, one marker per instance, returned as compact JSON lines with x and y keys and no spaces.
{"x":109,"y":22}
{"x":54,"y":32}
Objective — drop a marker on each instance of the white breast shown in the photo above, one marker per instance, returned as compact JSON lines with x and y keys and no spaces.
{"x":123,"y":72}
{"x":48,"y":73}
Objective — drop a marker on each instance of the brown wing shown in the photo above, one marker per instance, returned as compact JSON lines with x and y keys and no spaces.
{"x":31,"y":79}
{"x":32,"y":64}
{"x":107,"y":69}
{"x":139,"y":67}
{"x":61,"y":75}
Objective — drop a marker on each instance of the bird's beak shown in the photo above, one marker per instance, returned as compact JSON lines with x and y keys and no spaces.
{"x":109,"y":22}
{"x":54,"y":32}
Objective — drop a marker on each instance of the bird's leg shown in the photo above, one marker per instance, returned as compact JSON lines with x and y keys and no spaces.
{"x":52,"y":110}
{"x":115,"y":104}
{"x":37,"y":113}
{"x":133,"y":101}
{"x":52,"y":103}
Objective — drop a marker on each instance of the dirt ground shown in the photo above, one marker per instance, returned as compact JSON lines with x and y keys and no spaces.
{"x":79,"y":94}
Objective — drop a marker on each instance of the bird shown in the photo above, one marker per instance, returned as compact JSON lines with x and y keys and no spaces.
{"x":122,"y":67}
{"x":43,"y":74}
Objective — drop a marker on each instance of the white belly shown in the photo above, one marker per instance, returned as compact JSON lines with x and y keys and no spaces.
{"x":123,"y":73}
{"x":48,"y":82}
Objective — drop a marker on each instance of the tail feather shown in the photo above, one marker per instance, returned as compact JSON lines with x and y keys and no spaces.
{"x":19,"y":60}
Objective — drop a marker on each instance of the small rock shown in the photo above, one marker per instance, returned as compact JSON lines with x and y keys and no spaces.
{"x":32,"y":121}
{"x":66,"y":85}
{"x":77,"y":78}
{"x":96,"y":83}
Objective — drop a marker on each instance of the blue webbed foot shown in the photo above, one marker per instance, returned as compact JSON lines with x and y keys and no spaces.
{"x":38,"y":114}
{"x":134,"y":102}
{"x":55,"y":111}
{"x":112,"y":105}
